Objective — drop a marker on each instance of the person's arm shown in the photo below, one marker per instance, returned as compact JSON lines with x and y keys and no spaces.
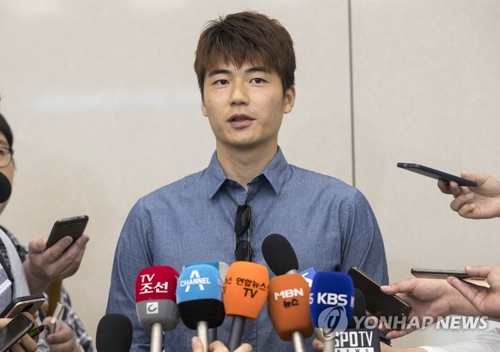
{"x":430,"y":300}
{"x":42,"y":266}
{"x":485,"y":299}
{"x":481,"y":202}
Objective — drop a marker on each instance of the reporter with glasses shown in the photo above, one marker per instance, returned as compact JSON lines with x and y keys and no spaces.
{"x":245,"y":65}
{"x":40,"y":268}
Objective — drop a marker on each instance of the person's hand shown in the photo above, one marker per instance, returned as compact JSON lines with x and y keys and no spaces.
{"x":485,"y":299}
{"x":216,"y":346}
{"x":55,"y":263}
{"x":430,"y":299}
{"x":318,"y":345}
{"x":62,"y":340}
{"x":26,"y":343}
{"x":481,"y":202}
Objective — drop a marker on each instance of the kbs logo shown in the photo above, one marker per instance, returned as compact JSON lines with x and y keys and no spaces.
{"x":331,"y":299}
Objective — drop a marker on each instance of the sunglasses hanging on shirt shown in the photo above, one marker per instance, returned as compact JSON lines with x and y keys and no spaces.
{"x":243,"y":249}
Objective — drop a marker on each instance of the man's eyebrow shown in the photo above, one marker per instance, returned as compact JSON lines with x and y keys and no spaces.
{"x":258,"y":69}
{"x":218,"y":72}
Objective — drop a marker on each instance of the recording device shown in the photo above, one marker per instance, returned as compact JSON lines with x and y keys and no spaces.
{"x":56,"y":318}
{"x":73,"y":227}
{"x":155,"y":302}
{"x":286,"y":264}
{"x":223,"y":268}
{"x":199,"y":299}
{"x":288,"y":306}
{"x":439,"y":175}
{"x":5,"y":188}
{"x":443,"y":274}
{"x":14,"y":331}
{"x":377,"y":302}
{"x":359,"y":335}
{"x":28,"y":304}
{"x":331,"y":304}
{"x":114,"y":333}
{"x":286,"y":261}
{"x":245,"y":293}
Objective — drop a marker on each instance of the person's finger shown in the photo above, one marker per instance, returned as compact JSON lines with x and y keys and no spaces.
{"x":456,"y":190}
{"x":196,"y":344}
{"x":318,"y":345}
{"x":36,"y":246}
{"x":444,"y":186}
{"x":469,"y":291}
{"x":54,"y":252}
{"x":479,"y":270}
{"x":404,"y":286}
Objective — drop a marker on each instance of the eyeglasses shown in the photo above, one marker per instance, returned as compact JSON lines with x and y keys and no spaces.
{"x":243,"y":248}
{"x":5,"y":156}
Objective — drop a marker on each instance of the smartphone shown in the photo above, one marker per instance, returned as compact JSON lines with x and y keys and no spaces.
{"x":438,"y":175}
{"x":377,"y":302}
{"x":73,"y":227}
{"x":28,"y":304}
{"x":442,"y":274}
{"x":14,"y":330}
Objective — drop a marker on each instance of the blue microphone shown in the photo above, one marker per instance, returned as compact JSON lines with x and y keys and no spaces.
{"x":331,"y":304}
{"x":199,"y":299}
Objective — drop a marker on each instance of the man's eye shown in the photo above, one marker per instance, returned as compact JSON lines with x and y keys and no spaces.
{"x":258,"y":80}
{"x":221,"y":82}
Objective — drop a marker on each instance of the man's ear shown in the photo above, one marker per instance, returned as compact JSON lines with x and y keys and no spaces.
{"x":203,"y":109}
{"x":289,"y":99}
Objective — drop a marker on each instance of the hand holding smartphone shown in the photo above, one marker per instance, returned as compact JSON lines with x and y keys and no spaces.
{"x":14,"y":331}
{"x":21,"y":304}
{"x":73,"y":227}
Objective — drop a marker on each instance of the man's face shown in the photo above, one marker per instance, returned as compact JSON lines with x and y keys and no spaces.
{"x":8,"y":170}
{"x":245,"y":105}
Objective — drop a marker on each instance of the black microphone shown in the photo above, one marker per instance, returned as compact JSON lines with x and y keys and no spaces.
{"x":284,"y":263}
{"x":360,"y":334}
{"x":114,"y":334}
{"x":5,"y":188}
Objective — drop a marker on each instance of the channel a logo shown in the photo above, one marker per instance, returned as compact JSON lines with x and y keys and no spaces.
{"x":195,"y":279}
{"x":152,"y":308}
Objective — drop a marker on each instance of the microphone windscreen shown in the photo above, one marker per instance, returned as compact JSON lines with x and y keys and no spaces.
{"x":5,"y":188}
{"x":155,"y":297}
{"x":245,"y":289}
{"x":199,"y":296}
{"x":331,"y":300}
{"x":359,"y":310}
{"x":288,"y":305}
{"x":221,"y":266}
{"x":114,"y":333}
{"x":279,"y":254}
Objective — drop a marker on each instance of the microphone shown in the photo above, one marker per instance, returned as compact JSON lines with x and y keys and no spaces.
{"x":114,"y":333}
{"x":199,"y":299}
{"x":223,"y":268}
{"x":357,"y":337}
{"x":284,"y":263}
{"x":155,"y":302}
{"x":331,"y":304}
{"x":245,"y":293}
{"x":288,"y":306}
{"x":5,"y":188}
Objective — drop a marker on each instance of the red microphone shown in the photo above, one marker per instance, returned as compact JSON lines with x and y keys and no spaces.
{"x":155,"y":302}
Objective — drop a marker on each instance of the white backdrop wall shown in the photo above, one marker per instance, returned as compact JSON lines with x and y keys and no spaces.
{"x":104,"y":105}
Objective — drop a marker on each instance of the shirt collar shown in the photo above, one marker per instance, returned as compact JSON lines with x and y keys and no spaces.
{"x":276,"y":173}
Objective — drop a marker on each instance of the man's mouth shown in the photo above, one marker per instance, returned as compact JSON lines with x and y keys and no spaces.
{"x":238,"y":118}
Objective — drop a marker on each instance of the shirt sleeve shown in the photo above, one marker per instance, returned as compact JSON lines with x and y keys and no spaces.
{"x":362,"y":243}
{"x":132,"y":254}
{"x":486,"y":342}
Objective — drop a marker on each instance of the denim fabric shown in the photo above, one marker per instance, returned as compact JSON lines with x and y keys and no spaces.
{"x":329,"y":224}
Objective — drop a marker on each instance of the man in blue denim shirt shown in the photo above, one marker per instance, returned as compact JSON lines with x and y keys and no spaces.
{"x":245,"y":65}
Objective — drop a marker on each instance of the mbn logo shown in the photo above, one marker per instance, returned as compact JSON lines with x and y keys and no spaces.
{"x":289,"y":293}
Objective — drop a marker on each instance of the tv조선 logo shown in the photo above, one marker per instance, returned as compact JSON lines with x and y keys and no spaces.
{"x":333,"y":319}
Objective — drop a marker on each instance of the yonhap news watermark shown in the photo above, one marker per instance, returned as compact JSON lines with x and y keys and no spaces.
{"x":451,"y":322}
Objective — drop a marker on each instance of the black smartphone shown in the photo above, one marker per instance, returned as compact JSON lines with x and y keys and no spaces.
{"x":438,"y":175}
{"x":14,"y":330}
{"x":73,"y":227}
{"x":442,"y":274}
{"x":28,"y":304}
{"x":378,"y":303}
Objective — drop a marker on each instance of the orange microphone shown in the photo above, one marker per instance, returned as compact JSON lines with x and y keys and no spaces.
{"x":244,"y":294}
{"x":288,"y":305}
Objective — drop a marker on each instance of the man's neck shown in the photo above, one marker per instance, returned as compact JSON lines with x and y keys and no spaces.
{"x":243,"y":165}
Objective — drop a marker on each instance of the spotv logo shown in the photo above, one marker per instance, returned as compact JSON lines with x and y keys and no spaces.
{"x":333,"y":319}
